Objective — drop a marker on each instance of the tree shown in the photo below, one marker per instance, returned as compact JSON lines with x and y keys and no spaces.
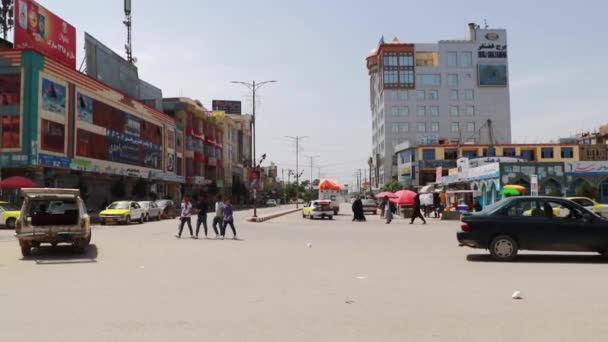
{"x":586,"y":190}
{"x":392,"y":186}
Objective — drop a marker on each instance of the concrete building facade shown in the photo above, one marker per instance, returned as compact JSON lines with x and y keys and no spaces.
{"x":453,"y":90}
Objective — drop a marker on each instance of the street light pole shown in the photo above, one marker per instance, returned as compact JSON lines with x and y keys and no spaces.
{"x":253,"y":86}
{"x":297,"y":140}
{"x":312,"y":158}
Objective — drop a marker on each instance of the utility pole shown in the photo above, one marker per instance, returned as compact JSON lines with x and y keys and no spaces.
{"x":297,"y":140}
{"x":253,"y":86}
{"x":7,"y":17}
{"x":311,"y":169}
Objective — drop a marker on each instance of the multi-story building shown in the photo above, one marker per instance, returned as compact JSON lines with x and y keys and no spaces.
{"x":237,"y":155}
{"x":62,"y":128}
{"x":202,"y":156}
{"x":453,"y":90}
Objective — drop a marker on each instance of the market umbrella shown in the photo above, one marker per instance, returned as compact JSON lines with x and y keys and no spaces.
{"x":17,"y":183}
{"x":510,"y":192}
{"x":515,"y":187}
{"x":404,"y":197}
{"x":386,"y":194}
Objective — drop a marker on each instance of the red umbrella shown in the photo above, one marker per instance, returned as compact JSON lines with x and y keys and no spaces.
{"x":329,"y":184}
{"x":386,"y":194}
{"x":404,"y":197}
{"x":17,"y":183}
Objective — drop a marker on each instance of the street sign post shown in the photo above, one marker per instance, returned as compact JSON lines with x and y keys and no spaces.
{"x":534,"y":185}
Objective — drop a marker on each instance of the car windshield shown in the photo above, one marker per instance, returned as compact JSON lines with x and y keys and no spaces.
{"x":119,"y":205}
{"x":8,"y":207}
{"x":144,"y":204}
{"x":493,"y":207}
{"x":162,"y":203}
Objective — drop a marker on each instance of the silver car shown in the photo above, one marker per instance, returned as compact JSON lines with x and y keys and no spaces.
{"x":53,"y":216}
{"x":151,"y":210}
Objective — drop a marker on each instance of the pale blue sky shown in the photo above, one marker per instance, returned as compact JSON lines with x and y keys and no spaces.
{"x":317,"y":49}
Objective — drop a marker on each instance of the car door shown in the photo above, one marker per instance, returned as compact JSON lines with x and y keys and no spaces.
{"x":135,"y":211}
{"x":524,"y":220}
{"x":154,"y":210}
{"x":2,"y":220}
{"x":568,"y":228}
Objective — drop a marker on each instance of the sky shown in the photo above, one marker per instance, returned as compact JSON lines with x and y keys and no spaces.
{"x":316,"y":51}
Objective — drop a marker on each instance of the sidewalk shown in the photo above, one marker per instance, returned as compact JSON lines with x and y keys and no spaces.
{"x":267,"y":213}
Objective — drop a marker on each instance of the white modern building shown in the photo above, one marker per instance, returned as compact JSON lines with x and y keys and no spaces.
{"x":453,"y":90}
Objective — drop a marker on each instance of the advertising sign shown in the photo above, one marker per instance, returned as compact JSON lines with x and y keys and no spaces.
{"x":10,"y":91}
{"x":53,"y":97}
{"x":230,"y":107}
{"x":85,"y":108}
{"x":50,"y":160}
{"x":534,"y":185}
{"x":39,"y":29}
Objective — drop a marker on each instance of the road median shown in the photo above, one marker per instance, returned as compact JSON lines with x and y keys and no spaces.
{"x":270,"y":216}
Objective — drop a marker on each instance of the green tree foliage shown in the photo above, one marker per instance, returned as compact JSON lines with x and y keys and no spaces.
{"x":392,"y":186}
{"x":586,"y":190}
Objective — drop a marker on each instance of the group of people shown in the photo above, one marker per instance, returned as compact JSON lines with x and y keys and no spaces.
{"x":224,"y":217}
{"x":387,"y":210}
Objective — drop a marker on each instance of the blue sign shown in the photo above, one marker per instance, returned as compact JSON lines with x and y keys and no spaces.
{"x":13,"y":160}
{"x":55,"y":161}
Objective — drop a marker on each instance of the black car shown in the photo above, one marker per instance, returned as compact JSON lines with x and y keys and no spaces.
{"x":534,"y":223}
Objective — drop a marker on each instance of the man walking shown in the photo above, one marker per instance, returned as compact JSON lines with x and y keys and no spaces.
{"x":228,"y":220}
{"x":203,"y":207}
{"x":388,"y":212}
{"x":185,"y":217}
{"x":416,"y":211}
{"x":219,"y":214}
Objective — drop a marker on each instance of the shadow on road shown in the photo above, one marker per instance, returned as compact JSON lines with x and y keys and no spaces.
{"x":48,"y":255}
{"x":544,"y":258}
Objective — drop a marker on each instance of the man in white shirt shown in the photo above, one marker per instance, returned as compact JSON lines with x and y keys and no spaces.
{"x":219,"y":213}
{"x":185,"y":217}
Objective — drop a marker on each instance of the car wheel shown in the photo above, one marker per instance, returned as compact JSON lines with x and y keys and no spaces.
{"x":147,"y":218}
{"x":81,"y":245}
{"x":128,"y":220}
{"x":504,"y":248}
{"x":10,"y":223}
{"x":142,"y":219}
{"x":26,"y":248}
{"x":303,"y":215}
{"x":331,"y":217}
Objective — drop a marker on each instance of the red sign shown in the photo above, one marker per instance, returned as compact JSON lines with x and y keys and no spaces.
{"x":39,"y":29}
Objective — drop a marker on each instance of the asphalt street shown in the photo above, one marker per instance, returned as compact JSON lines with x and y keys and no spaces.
{"x":291,"y":279}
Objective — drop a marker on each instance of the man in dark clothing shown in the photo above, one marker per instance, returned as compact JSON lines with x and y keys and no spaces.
{"x":416,"y":211}
{"x":203,"y":208}
{"x":358,"y":210}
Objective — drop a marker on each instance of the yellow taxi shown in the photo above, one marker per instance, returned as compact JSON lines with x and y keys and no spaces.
{"x":591,"y":205}
{"x":318,"y":209}
{"x":123,"y":212}
{"x":9,"y":214}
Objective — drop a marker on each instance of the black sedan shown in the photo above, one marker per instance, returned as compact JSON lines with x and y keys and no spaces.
{"x":534,"y":223}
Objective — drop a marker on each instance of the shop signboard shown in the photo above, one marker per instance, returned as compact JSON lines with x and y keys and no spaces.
{"x":589,"y":168}
{"x":55,"y":161}
{"x":53,"y":97}
{"x":13,"y":160}
{"x":229,"y":107}
{"x":39,"y":29}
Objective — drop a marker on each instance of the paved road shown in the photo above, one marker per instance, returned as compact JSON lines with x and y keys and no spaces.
{"x":358,"y":282}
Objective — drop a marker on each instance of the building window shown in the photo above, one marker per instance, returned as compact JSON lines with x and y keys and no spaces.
{"x":406,"y":59}
{"x":420,"y":95}
{"x":470,"y":127}
{"x":489,"y":152}
{"x":399,"y":69}
{"x":454,"y":111}
{"x":421,"y":111}
{"x":404,"y":111}
{"x":403,"y":95}
{"x":453,"y":94}
{"x":428,"y":80}
{"x":546,"y":152}
{"x":567,"y":152}
{"x":390,"y":60}
{"x":450,"y":154}
{"x":428,"y":154}
{"x":427,"y":59}
{"x":405,"y":127}
{"x":10,"y":131}
{"x":466,"y":59}
{"x":390,"y":77}
{"x":434,"y":111}
{"x":52,"y":135}
{"x":470,"y":111}
{"x":469,"y":95}
{"x":527,"y":155}
{"x":453,"y":80}
{"x":452,"y":58}
{"x":469,"y":154}
{"x":509,"y":152}
{"x":433,"y":94}
{"x":434,"y":127}
{"x":421,"y":127}
{"x":455,"y":127}
{"x":394,"y":111}
{"x":406,"y":78}
{"x":395,"y":128}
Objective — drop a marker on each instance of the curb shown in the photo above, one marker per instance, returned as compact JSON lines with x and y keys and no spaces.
{"x":271,"y":216}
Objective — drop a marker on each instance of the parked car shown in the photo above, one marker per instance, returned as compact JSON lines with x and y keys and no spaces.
{"x":589,"y":204}
{"x":168,"y":209}
{"x":9,"y":214}
{"x":271,"y":202}
{"x":369,"y":205}
{"x":53,"y":216}
{"x":318,"y":209}
{"x":151,"y":210}
{"x":123,"y":212}
{"x":530,"y":223}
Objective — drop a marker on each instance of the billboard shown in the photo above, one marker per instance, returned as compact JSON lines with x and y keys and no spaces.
{"x":229,"y":107}
{"x":39,"y":29}
{"x":492,"y":75}
{"x":53,"y":97}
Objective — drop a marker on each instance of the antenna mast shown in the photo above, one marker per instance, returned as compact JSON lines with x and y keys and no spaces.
{"x":127,"y":22}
